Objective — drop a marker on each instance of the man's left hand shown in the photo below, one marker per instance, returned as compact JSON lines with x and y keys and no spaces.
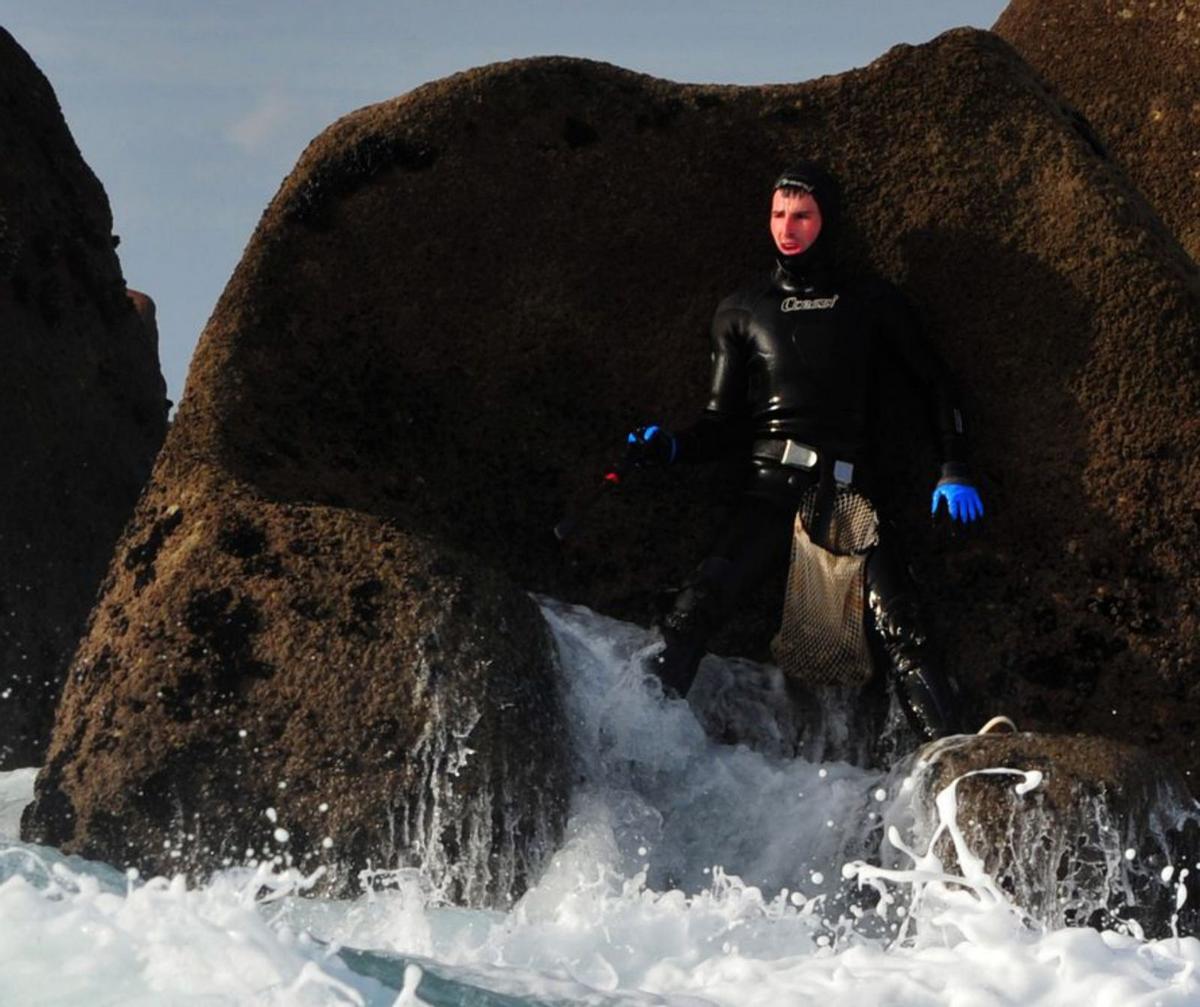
{"x":962,"y":501}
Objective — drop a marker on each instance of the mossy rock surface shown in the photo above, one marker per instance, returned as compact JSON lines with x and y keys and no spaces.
{"x":1076,"y":829}
{"x":83,"y":406}
{"x":1130,"y":68}
{"x":460,"y":300}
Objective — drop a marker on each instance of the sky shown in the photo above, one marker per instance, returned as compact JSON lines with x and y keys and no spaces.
{"x":192,"y":112}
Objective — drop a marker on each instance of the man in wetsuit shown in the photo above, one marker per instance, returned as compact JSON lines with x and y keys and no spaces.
{"x":796,"y":366}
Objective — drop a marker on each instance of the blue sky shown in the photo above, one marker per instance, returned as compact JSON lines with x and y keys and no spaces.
{"x":191,"y":112}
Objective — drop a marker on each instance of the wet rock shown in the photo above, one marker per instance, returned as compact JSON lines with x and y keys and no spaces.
{"x":367,"y":354}
{"x":354,"y":694}
{"x":83,"y":408}
{"x":372,"y":364}
{"x":1088,"y":844}
{"x":740,"y":702}
{"x":1130,"y":71}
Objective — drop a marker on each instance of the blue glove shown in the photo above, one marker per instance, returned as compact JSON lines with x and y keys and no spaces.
{"x":650,"y":445}
{"x":962,"y":501}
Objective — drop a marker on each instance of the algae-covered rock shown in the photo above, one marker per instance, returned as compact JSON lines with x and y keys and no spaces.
{"x":1131,"y":68}
{"x":257,"y":667}
{"x":460,"y":300}
{"x":1076,"y":829}
{"x":83,"y":407}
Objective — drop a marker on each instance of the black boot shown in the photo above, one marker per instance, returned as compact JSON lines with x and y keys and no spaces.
{"x":694,"y":616}
{"x":676,"y":666}
{"x":923,"y":690}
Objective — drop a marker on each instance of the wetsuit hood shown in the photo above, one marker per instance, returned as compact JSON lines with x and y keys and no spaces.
{"x":800,"y":269}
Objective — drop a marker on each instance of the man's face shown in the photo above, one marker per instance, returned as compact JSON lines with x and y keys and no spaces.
{"x":795,"y":221}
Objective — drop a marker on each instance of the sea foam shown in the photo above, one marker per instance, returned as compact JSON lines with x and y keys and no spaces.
{"x":692,"y":873}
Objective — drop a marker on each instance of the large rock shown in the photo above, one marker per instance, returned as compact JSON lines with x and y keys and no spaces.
{"x":1076,"y":829}
{"x":83,"y":406}
{"x":460,"y":299}
{"x":256,"y":666}
{"x":1131,"y":67}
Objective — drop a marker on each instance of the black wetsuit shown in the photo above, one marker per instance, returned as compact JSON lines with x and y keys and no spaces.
{"x":800,"y":355}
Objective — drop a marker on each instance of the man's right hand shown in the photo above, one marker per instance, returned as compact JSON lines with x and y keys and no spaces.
{"x":650,"y":445}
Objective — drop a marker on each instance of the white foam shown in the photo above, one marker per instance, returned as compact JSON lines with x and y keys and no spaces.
{"x":16,"y":791}
{"x":69,"y":935}
{"x":691,"y":874}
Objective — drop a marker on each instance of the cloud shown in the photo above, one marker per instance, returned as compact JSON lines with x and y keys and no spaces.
{"x":265,"y":122}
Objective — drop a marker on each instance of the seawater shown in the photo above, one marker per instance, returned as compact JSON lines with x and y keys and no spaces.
{"x":692,"y":873}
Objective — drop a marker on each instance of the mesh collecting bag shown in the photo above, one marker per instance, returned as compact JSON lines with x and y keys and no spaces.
{"x":822,"y":638}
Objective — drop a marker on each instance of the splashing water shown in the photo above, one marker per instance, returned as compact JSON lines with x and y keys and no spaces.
{"x":691,"y":874}
{"x":71,"y":933}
